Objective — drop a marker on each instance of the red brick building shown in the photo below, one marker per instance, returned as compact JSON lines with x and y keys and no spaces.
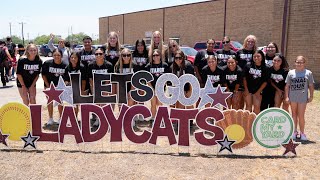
{"x":293,"y":24}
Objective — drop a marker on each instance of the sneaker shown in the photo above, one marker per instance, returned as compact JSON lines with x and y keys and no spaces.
{"x":303,"y":137}
{"x":294,"y":136}
{"x":50,"y":121}
{"x":6,"y":78}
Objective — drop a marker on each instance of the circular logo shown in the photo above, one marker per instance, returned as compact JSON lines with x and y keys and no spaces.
{"x":272,"y":127}
{"x":15,"y":120}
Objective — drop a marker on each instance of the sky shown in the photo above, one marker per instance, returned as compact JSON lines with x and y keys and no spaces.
{"x":61,"y":16}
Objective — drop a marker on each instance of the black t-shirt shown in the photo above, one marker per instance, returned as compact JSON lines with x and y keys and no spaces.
{"x":244,"y":57}
{"x":53,"y":71}
{"x":112,"y":56}
{"x":279,"y":77}
{"x":125,"y":69}
{"x":269,"y":61}
{"x":232,"y":78}
{"x":169,"y":60}
{"x":139,"y":62}
{"x":223,"y":56}
{"x":201,"y":59}
{"x":215,"y":76}
{"x":105,"y":68}
{"x":157,"y":70}
{"x":255,"y":76}
{"x":29,"y":70}
{"x":188,"y":69}
{"x":69,"y":69}
{"x":86,"y":57}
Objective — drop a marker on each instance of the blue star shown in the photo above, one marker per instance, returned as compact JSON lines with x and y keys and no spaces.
{"x":30,"y":140}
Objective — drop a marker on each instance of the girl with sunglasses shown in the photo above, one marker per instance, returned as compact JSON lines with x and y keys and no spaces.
{"x":98,"y":66}
{"x":278,"y":74}
{"x":179,"y":67}
{"x":156,"y":67}
{"x":255,"y":80}
{"x":224,"y":54}
{"x":51,"y":71}
{"x":169,"y":53}
{"x":299,"y":91}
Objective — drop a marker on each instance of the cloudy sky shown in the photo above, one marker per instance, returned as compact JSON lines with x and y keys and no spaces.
{"x":59,"y":16}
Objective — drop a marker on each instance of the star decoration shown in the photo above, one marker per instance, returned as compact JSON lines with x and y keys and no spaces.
{"x":205,"y":99}
{"x":291,"y":146}
{"x":30,"y":140}
{"x":67,"y":94}
{"x":3,"y":138}
{"x":53,"y":94}
{"x":220,"y":97}
{"x":226,"y":144}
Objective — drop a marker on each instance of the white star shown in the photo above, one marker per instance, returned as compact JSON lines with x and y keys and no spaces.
{"x":30,"y":140}
{"x":226,"y":144}
{"x":67,"y":94}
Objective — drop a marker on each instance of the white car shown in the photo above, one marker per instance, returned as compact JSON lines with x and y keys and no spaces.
{"x":78,"y":48}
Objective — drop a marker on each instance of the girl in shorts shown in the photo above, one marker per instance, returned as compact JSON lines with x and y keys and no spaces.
{"x":299,"y":91}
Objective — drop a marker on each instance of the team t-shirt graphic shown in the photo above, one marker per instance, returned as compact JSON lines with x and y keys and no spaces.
{"x":256,"y":73}
{"x":277,"y":77}
{"x":100,"y":71}
{"x":157,"y":71}
{"x":246,"y":57}
{"x":113,"y":54}
{"x":140,"y":61}
{"x":31,"y":68}
{"x":214,"y":78}
{"x":231,"y":78}
{"x":56,"y":71}
{"x":88,"y":58}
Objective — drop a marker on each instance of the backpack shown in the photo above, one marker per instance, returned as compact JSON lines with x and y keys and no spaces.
{"x":11,"y":48}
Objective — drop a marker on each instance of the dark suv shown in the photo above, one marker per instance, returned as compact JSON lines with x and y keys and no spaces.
{"x":235,"y":45}
{"x":45,"y":51}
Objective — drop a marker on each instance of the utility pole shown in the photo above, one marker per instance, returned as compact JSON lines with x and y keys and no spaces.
{"x":22,"y":23}
{"x":10,"y":29}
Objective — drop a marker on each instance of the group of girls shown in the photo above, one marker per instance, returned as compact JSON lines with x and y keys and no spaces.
{"x":257,"y":80}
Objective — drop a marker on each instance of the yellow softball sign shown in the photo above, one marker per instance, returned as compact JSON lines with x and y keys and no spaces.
{"x":15,"y":120}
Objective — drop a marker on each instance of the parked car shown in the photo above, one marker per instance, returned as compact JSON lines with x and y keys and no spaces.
{"x":78,"y":48}
{"x":130,"y":47}
{"x":189,"y":52}
{"x":45,"y":50}
{"x":235,"y":45}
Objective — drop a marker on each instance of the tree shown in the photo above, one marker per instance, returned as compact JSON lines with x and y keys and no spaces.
{"x":76,"y":38}
{"x":15,"y":39}
{"x":43,"y":39}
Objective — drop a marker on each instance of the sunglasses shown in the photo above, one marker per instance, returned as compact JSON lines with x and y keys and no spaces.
{"x":155,"y":55}
{"x":225,"y":42}
{"x":98,"y":54}
{"x":172,"y":46}
{"x":126,"y":55}
{"x":178,"y":58}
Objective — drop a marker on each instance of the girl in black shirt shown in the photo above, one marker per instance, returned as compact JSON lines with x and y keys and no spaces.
{"x":269,"y":91}
{"x":224,"y":54}
{"x":113,"y":48}
{"x":169,"y":53}
{"x":124,"y":66}
{"x":156,"y":43}
{"x":28,"y":71}
{"x":244,"y":55}
{"x":140,"y":56}
{"x":255,"y":80}
{"x":156,"y":67}
{"x":232,"y":79}
{"x":51,"y":71}
{"x":75,"y":66}
{"x":179,"y":67}
{"x":278,"y":75}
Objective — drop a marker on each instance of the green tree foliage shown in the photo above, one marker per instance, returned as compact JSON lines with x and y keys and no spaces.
{"x":15,"y":39}
{"x":43,"y":39}
{"x":76,"y":38}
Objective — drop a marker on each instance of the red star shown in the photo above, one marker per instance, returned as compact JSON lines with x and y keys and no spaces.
{"x":3,"y":138}
{"x":220,"y":97}
{"x":291,"y":146}
{"x":53,"y":94}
